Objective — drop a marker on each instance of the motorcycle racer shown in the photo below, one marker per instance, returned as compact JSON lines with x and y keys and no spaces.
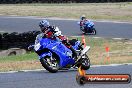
{"x":85,"y":24}
{"x":54,"y":33}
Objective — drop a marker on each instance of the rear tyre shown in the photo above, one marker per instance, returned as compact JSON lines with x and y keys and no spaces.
{"x":50,"y":64}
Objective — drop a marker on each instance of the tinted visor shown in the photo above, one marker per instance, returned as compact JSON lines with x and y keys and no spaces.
{"x":43,"y":29}
{"x":83,"y":18}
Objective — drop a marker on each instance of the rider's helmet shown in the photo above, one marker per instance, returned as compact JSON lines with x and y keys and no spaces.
{"x":83,"y":17}
{"x":44,"y":24}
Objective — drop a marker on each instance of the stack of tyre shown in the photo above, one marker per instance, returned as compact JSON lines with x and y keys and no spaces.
{"x":17,"y":40}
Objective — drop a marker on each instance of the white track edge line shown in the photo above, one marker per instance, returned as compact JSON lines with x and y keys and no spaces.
{"x":44,"y":69}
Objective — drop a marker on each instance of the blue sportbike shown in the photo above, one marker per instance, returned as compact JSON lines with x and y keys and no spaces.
{"x":88,"y":27}
{"x":55,"y":56}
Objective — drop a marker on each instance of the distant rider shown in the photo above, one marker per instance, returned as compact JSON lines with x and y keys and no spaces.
{"x":85,"y":24}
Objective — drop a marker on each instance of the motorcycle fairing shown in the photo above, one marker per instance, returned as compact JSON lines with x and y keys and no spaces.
{"x":65,"y":54}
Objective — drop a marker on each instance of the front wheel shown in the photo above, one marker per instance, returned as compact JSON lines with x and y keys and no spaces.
{"x":83,"y":32}
{"x":84,"y":62}
{"x":50,"y":64}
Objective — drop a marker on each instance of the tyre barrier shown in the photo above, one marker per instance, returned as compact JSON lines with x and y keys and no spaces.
{"x":17,"y":40}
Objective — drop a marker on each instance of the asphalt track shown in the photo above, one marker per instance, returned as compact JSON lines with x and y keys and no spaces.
{"x":62,"y":79}
{"x":68,"y":27}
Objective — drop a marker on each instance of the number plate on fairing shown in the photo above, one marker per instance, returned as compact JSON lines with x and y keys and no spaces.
{"x":37,"y":46}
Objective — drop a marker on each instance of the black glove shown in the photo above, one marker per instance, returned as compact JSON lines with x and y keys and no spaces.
{"x":52,"y":29}
{"x":30,"y":47}
{"x":66,"y":42}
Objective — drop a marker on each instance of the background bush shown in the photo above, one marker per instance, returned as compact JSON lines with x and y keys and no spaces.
{"x":17,"y":40}
{"x":58,"y":1}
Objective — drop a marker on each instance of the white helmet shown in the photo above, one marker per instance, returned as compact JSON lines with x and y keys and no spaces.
{"x":83,"y":17}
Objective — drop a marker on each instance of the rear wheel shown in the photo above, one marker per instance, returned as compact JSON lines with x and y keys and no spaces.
{"x":94,"y":31}
{"x":50,"y":63}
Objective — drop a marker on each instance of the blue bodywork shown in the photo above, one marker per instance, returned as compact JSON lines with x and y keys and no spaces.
{"x":88,"y":24}
{"x":65,"y":54}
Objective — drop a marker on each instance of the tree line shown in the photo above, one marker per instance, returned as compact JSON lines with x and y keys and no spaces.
{"x":59,"y":1}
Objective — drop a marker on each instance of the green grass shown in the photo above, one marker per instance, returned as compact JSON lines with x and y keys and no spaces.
{"x":120,"y":52}
{"x":108,"y":11}
{"x":24,"y":57}
{"x":27,"y":61}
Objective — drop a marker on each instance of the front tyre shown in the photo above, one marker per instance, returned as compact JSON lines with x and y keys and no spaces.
{"x":85,"y":63}
{"x":50,"y":64}
{"x":82,"y":30}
